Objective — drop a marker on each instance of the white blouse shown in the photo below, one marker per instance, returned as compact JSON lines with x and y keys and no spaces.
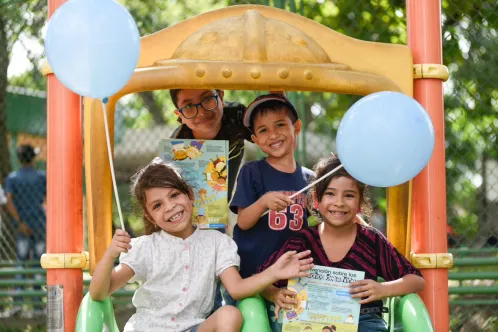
{"x":178,"y":278}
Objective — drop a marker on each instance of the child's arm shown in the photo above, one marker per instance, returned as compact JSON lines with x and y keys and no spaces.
{"x":290,"y":265}
{"x":249,"y":216}
{"x":372,"y":290}
{"x":106,"y":280}
{"x":401,"y":276}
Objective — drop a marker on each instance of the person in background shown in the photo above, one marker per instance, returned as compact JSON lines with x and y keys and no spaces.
{"x":205,"y":115}
{"x":26,"y":195}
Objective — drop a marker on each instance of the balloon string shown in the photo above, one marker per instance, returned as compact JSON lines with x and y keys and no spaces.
{"x":111,"y":164}
{"x":310,"y":185}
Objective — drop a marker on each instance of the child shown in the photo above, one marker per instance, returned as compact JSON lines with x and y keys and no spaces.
{"x":340,"y":242}
{"x":178,"y":264}
{"x":267,"y":184}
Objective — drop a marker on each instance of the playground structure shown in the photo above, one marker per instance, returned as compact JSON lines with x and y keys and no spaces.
{"x":263,"y":49}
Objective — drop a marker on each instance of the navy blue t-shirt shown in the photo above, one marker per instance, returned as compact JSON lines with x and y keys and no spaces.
{"x":28,"y":187}
{"x":257,"y":244}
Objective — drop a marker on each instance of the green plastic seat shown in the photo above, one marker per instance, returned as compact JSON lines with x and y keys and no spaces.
{"x":99,"y":315}
{"x":96,"y":316}
{"x":407,"y":313}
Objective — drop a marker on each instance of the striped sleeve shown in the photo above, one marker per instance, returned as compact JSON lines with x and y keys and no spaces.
{"x":392,"y":264}
{"x":293,"y":243}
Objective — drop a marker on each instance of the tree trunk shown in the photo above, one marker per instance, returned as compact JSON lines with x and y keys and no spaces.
{"x":154,"y":109}
{"x":5,"y":166}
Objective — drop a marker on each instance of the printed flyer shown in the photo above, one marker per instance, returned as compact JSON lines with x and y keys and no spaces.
{"x":324,"y":302}
{"x":204,"y":165}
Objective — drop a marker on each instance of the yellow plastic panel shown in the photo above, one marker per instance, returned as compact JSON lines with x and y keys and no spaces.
{"x":247,"y":47}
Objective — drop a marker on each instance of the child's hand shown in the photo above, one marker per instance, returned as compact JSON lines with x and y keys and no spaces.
{"x":276,"y":201}
{"x":369,"y":289}
{"x":283,"y":299}
{"x":120,"y":243}
{"x":292,"y":265}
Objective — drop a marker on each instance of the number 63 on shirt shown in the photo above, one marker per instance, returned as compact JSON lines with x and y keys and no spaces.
{"x":292,"y":216}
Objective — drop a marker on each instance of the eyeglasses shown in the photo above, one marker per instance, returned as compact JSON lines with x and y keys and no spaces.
{"x":190,"y":111}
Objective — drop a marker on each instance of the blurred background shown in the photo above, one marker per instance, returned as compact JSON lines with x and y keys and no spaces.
{"x":470,"y":51}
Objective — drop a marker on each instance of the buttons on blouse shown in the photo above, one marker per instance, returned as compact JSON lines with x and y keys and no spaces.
{"x":184,"y":289}
{"x":186,"y":267}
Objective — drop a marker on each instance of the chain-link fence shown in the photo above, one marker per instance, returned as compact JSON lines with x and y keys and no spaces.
{"x":470,"y":48}
{"x":471,"y":108}
{"x":22,"y":209}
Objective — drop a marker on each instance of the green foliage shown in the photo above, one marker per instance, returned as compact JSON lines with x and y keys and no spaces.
{"x":471,"y":96}
{"x":469,"y":43}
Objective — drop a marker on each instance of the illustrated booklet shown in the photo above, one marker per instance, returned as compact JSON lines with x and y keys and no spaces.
{"x":324,"y":302}
{"x":204,"y":165}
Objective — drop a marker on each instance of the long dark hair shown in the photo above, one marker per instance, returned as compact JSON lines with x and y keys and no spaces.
{"x":157,"y":174}
{"x":325,"y":165}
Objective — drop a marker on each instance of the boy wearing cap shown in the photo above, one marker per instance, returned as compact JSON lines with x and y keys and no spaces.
{"x":267,"y":184}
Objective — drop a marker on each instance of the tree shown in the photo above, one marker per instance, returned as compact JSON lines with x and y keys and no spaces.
{"x":18,"y":20}
{"x":4,"y":145}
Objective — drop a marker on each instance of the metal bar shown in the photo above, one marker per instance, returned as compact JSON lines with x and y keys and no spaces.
{"x":476,"y":261}
{"x":473,"y":290}
{"x":464,"y":251}
{"x":474,"y":302}
{"x":19,"y":263}
{"x":115,"y":302}
{"x":10,"y":272}
{"x":8,"y":293}
{"x":481,"y":275}
{"x":5,"y":293}
{"x":29,"y":282}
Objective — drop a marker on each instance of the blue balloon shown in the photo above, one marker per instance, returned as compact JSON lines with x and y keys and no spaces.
{"x":92,"y":46}
{"x":385,"y":139}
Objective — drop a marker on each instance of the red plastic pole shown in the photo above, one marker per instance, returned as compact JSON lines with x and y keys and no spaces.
{"x":64,"y":187}
{"x":429,"y":187}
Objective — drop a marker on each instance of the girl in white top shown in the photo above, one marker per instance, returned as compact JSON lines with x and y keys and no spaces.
{"x":177,"y":264}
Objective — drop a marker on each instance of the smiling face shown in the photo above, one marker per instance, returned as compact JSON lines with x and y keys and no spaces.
{"x":171,"y":210}
{"x":275,"y":134}
{"x":340,"y":202}
{"x":206,"y":124}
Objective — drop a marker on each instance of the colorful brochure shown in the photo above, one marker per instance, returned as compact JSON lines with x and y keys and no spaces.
{"x":204,"y":165}
{"x":324,"y":302}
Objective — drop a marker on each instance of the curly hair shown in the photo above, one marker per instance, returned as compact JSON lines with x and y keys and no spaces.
{"x":157,"y":174}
